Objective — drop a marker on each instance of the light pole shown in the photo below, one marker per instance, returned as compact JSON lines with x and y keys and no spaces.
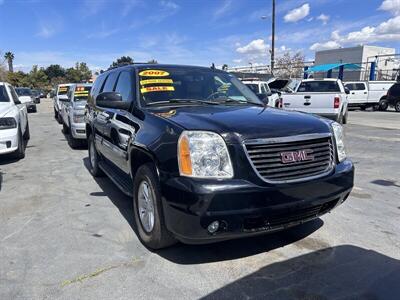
{"x":272,"y":51}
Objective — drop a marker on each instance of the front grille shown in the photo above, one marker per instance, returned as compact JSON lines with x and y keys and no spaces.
{"x":267,"y":161}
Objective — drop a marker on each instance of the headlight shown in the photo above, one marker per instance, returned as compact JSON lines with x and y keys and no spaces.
{"x":339,"y":139}
{"x":8,"y":123}
{"x":203,"y":154}
{"x":78,"y":118}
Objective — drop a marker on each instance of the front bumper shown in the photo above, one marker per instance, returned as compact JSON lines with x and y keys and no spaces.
{"x":244,"y":208}
{"x":78,"y":131}
{"x":8,"y":140}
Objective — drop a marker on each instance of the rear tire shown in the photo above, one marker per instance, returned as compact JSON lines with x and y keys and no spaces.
{"x":363,"y":107}
{"x":65,"y":128}
{"x":151,"y":229}
{"x":94,"y":158}
{"x":397,"y":106}
{"x":55,"y":114}
{"x":383,"y":104}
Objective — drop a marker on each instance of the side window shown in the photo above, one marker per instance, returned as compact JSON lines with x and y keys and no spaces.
{"x":97,"y":85}
{"x":110,"y":82}
{"x":350,"y":86}
{"x":124,"y":86}
{"x":263,"y":90}
{"x":359,"y":86}
{"x":13,"y":94}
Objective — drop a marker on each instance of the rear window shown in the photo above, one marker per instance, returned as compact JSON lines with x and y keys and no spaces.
{"x":3,"y":94}
{"x":319,"y":87}
{"x":395,"y":90}
{"x":82,"y":93}
{"x":63,"y":90}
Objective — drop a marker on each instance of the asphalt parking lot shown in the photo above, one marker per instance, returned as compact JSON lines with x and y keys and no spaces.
{"x":66,"y":235}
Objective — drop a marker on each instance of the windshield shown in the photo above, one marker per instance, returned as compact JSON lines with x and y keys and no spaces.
{"x":23,"y":92}
{"x":63,"y":90}
{"x":3,"y":94}
{"x":82,"y":93}
{"x":197,"y":85}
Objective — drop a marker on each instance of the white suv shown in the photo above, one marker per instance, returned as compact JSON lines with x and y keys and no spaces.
{"x":14,"y":127}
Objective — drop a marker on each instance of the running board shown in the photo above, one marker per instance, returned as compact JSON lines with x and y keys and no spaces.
{"x":123,"y":182}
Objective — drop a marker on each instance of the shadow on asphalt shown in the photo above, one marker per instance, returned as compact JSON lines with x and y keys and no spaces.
{"x":342,"y":272}
{"x":199,"y":254}
{"x":82,"y":143}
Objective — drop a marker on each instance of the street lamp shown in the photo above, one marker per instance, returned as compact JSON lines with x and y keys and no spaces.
{"x":272,"y":37}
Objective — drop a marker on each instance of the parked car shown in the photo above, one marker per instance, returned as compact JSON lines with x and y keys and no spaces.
{"x":36,"y":95}
{"x":72,"y":113}
{"x":261,"y":89}
{"x":366,"y":94}
{"x":61,"y":93}
{"x":14,"y":126}
{"x":393,"y":96}
{"x":26,"y":97}
{"x":204,"y":160}
{"x":324,"y":97}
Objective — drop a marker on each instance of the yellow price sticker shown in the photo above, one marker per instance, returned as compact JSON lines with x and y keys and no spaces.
{"x":153,"y":81}
{"x":153,"y":73}
{"x":157,"y":89}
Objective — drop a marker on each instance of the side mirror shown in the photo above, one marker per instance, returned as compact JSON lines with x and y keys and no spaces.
{"x":111,"y":100}
{"x":346,"y":90}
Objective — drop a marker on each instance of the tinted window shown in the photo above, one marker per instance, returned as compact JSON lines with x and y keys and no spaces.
{"x":355,"y":86}
{"x":23,"y":91}
{"x":319,"y":86}
{"x":253,"y":87}
{"x":110,"y":82}
{"x":3,"y":94}
{"x":14,"y":94}
{"x":124,"y":86}
{"x":97,"y":85}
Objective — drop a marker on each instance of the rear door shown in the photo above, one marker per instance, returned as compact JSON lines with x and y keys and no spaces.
{"x":121,"y":128}
{"x":358,"y":92}
{"x":22,"y":108}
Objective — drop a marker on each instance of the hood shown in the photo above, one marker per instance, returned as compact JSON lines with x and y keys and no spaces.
{"x":25,"y":99}
{"x":5,"y":107}
{"x":239,"y":123}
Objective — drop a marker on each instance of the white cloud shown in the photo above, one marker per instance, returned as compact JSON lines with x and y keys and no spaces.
{"x":323,"y":18}
{"x":45,"y":31}
{"x":392,"y":6}
{"x":385,"y":31}
{"x":324,"y":46}
{"x":238,"y":61}
{"x":254,"y":47}
{"x":223,"y":9}
{"x":297,"y":14}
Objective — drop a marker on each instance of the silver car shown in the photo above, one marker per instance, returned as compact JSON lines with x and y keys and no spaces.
{"x":72,"y":111}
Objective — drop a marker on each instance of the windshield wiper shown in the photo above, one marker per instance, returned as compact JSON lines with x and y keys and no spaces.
{"x":231,"y":100}
{"x":181,"y":101}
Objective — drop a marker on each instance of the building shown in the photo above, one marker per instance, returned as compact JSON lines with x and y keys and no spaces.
{"x":385,"y":58}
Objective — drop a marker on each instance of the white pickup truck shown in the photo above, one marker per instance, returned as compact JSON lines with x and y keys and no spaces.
{"x":14,"y":127}
{"x":365,"y":94}
{"x":325,"y":97}
{"x":263,"y":92}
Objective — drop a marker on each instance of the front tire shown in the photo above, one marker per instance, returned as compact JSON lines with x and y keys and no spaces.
{"x":27,"y":134}
{"x":383,"y":104}
{"x":94,"y":158}
{"x":20,"y":152}
{"x":148,"y":211}
{"x":397,"y":106}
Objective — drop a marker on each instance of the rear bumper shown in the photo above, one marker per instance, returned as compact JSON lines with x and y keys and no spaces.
{"x":8,"y":140}
{"x":245,"y":209}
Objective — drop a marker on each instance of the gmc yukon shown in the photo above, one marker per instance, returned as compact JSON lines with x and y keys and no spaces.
{"x":204,"y":160}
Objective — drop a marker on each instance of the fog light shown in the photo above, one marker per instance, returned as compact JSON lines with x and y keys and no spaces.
{"x":213,"y":227}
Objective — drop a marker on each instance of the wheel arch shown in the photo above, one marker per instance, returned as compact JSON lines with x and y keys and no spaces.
{"x":138,"y":157}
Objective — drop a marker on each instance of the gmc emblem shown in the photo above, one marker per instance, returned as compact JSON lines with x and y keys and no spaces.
{"x":296,"y":156}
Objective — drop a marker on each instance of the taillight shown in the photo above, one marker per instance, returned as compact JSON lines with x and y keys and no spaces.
{"x":336,"y":102}
{"x":279,"y":104}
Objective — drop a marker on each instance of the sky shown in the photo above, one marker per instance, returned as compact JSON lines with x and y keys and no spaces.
{"x":195,"y":32}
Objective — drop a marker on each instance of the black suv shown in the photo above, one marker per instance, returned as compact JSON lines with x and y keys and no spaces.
{"x":393,"y":96}
{"x":205,"y":160}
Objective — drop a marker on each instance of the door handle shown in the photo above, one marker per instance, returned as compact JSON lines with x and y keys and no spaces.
{"x":307,"y":103}
{"x":353,"y":93}
{"x":307,"y":97}
{"x":365,"y":93}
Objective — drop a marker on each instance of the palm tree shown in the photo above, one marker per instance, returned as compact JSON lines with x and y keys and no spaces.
{"x":9,"y":56}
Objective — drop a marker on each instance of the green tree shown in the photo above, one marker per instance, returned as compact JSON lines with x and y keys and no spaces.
{"x":18,"y":79}
{"x":122,"y":61}
{"x":54,"y":71}
{"x":9,"y":56}
{"x":80,"y":73}
{"x":38,"y":78}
